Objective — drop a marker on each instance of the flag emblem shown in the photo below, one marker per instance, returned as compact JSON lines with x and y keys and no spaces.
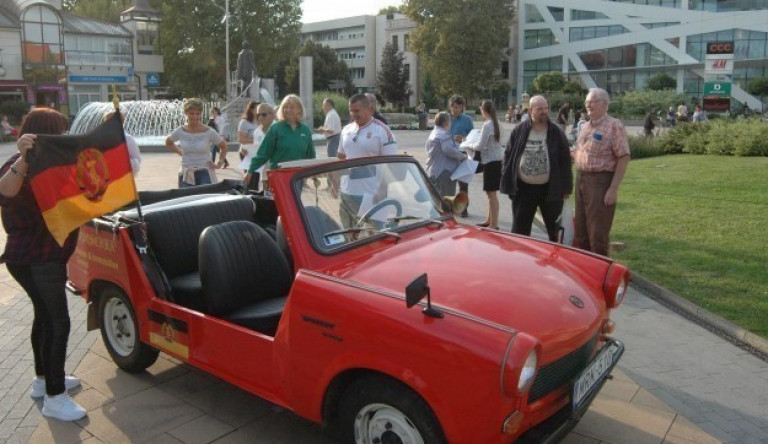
{"x":92,"y":174}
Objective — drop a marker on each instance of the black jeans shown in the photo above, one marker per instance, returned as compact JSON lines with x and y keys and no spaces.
{"x":44,"y":284}
{"x":524,"y":204}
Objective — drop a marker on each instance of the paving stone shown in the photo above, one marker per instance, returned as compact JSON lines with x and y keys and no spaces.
{"x":60,"y":432}
{"x":138,"y":418}
{"x":610,"y":419}
{"x":201,"y":430}
{"x":115,"y":383}
{"x":240,"y":409}
{"x":278,"y":427}
{"x":685,"y":432}
{"x":575,"y":438}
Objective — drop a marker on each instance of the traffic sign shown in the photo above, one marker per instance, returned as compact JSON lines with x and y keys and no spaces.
{"x":717,"y":89}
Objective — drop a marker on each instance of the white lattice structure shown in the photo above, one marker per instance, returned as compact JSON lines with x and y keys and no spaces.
{"x":619,"y":45}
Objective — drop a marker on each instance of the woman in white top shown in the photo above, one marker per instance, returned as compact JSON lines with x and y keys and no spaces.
{"x":192,"y":142}
{"x":265,"y":115}
{"x":248,"y":123}
{"x":491,"y":154}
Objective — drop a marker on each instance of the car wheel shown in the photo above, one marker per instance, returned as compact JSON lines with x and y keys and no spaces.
{"x":120,"y":331}
{"x":378,"y":410}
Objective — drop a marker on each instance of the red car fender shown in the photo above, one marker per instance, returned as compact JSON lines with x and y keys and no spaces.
{"x":335,"y":326}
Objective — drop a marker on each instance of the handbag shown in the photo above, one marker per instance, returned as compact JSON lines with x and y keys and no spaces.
{"x":479,"y":159}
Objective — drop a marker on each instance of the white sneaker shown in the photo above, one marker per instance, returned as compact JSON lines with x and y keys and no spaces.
{"x":38,"y":386}
{"x":62,"y":407}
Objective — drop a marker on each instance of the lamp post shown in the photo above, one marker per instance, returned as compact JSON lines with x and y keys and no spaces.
{"x":225,"y":20}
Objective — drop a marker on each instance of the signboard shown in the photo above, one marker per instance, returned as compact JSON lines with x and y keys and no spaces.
{"x":153,"y":79}
{"x":718,"y":65}
{"x":717,"y":89}
{"x":720,"y":48}
{"x":98,"y":79}
{"x":716,"y":104}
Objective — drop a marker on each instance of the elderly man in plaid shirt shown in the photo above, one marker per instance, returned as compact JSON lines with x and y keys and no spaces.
{"x":601,"y":158}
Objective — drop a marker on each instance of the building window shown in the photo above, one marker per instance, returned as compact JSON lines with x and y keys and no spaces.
{"x":405,"y":43}
{"x":536,"y":38}
{"x":578,"y":14}
{"x":92,"y":50}
{"x":147,"y":38}
{"x":42,"y":36}
{"x":557,"y":13}
{"x":532,"y":14}
{"x":394,"y":43}
{"x":407,"y":71}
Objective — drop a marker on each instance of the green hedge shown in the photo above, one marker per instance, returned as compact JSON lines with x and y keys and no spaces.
{"x":340,"y":102}
{"x":739,"y":137}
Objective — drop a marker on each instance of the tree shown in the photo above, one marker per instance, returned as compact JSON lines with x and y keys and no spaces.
{"x":392,"y":83}
{"x":548,"y":82}
{"x":107,"y":10}
{"x":448,"y":32}
{"x":195,"y":52}
{"x":326,"y":68}
{"x":391,"y":9}
{"x":758,"y":87}
{"x":429,"y":93}
{"x":661,"y":81}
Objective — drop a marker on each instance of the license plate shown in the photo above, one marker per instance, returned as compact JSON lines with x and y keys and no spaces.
{"x":597,"y":370}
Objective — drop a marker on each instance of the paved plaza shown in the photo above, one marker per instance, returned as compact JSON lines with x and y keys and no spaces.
{"x":677,"y":382}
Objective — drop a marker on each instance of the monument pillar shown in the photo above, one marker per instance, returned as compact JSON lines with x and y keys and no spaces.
{"x":306,"y":88}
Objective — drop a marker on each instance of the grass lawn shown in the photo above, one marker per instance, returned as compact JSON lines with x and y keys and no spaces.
{"x":698,"y":225}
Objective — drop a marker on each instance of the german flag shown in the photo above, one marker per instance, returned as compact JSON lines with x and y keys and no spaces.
{"x":77,"y":178}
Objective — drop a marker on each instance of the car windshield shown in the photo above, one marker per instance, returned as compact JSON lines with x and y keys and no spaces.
{"x":351,"y":204}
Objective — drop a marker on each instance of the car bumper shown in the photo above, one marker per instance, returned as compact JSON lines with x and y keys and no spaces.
{"x":556,"y":427}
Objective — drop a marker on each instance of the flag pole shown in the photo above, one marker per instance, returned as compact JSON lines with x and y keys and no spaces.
{"x":116,"y":104}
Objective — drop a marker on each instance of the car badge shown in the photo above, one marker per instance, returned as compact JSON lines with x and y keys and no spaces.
{"x":578,"y":303}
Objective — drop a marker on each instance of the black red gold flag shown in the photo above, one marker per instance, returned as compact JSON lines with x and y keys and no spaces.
{"x":77,"y":178}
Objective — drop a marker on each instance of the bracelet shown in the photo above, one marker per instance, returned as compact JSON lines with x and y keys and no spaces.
{"x":16,"y":172}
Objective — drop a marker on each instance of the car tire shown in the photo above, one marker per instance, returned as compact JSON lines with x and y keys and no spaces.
{"x":120,"y":332}
{"x":378,"y":409}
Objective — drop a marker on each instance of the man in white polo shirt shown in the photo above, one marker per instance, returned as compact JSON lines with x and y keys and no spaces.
{"x":365,"y":136}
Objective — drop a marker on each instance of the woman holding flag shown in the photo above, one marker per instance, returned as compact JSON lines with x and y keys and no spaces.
{"x":38,"y":263}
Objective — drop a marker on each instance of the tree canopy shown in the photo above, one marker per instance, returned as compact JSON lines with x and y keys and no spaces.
{"x":460,"y":43}
{"x":192,"y":37}
{"x":392,"y":80}
{"x":548,"y":82}
{"x":758,"y":87}
{"x":661,"y":81}
{"x":107,"y":10}
{"x":326,"y":68}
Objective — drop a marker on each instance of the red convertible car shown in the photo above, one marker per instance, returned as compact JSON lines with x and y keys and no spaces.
{"x":349,"y":295}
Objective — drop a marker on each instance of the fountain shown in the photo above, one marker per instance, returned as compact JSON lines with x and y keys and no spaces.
{"x":148,"y":121}
{"x":151,"y":121}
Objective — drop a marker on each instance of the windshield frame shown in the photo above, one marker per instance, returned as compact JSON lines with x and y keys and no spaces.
{"x":298,"y":179}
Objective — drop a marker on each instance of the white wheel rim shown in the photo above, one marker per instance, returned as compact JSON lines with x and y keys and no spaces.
{"x":118,"y":324}
{"x":384,"y":424}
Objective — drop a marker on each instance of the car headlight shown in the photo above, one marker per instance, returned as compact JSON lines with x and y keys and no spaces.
{"x":527,"y":372}
{"x":520,"y":364}
{"x":615,"y":285}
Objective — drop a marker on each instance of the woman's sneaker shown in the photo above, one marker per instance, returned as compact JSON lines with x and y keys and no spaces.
{"x":62,"y":407}
{"x":38,"y":386}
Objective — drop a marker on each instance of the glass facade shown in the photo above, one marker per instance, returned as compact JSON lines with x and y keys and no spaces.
{"x":536,"y":38}
{"x":100,"y":51}
{"x":595,"y":32}
{"x":532,"y":68}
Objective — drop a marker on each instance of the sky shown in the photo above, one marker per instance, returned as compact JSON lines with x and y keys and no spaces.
{"x":322,"y":10}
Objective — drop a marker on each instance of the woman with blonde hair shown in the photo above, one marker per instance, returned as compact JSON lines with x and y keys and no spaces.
{"x":287,"y":139}
{"x":491,"y":154}
{"x":193,"y":143}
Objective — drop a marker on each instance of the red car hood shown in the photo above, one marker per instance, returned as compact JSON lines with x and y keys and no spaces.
{"x":515,"y":282}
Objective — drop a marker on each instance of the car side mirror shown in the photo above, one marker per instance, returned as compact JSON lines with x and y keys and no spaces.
{"x":415,"y":292}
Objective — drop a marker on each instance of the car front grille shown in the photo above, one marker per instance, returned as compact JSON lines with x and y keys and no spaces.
{"x":554,"y":375}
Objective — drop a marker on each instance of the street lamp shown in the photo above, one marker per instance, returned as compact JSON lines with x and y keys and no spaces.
{"x":225,"y":20}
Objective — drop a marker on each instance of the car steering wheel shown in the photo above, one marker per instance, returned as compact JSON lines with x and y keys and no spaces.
{"x":365,"y":218}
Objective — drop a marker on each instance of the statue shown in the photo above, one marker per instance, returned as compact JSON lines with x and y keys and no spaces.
{"x":246,"y":67}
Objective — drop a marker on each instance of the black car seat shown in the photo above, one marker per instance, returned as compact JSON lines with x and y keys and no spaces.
{"x":244,"y":275}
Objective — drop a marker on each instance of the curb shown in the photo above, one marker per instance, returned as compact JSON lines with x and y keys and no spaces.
{"x":706,"y":317}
